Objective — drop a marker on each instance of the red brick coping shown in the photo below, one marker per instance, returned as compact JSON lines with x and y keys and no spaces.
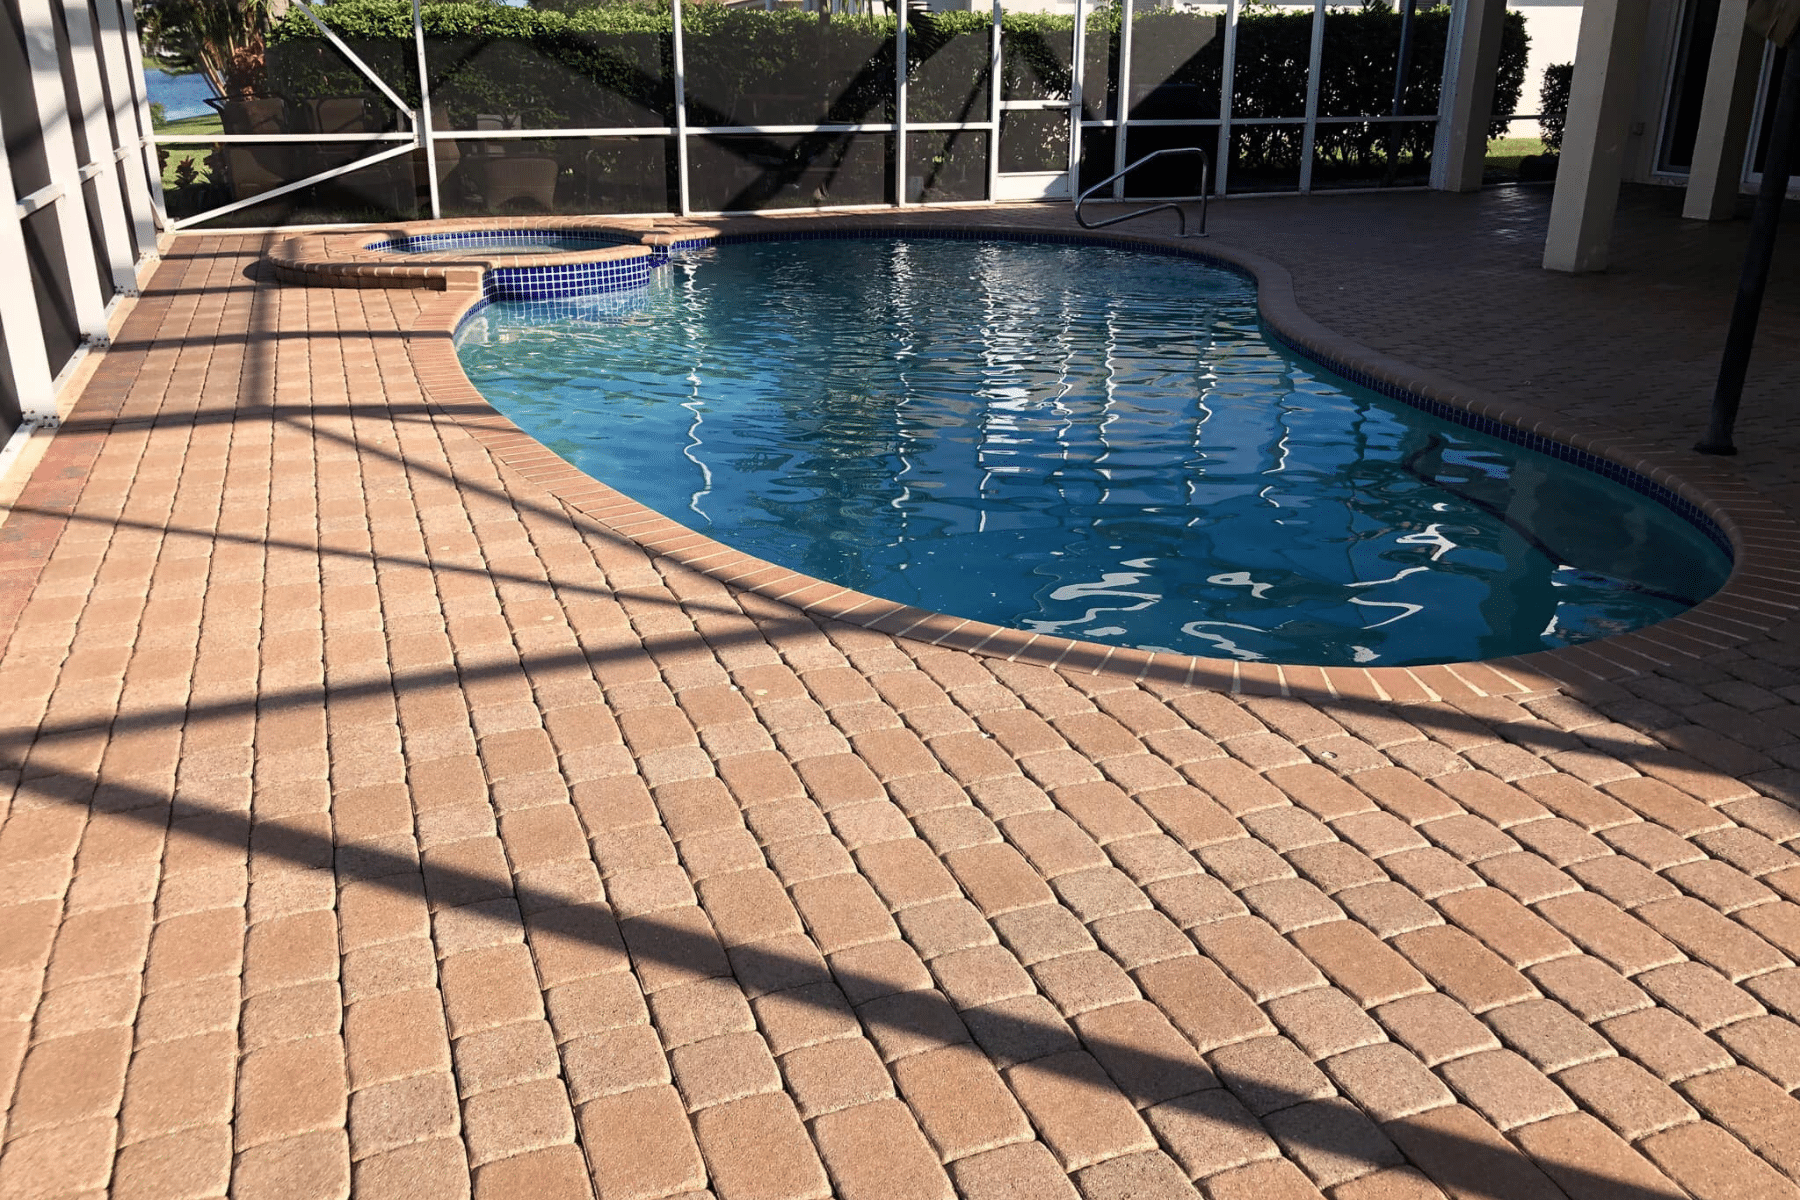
{"x":1758,"y":596}
{"x":345,"y":260}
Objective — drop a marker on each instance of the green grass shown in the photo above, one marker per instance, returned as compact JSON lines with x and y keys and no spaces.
{"x":193,"y":126}
{"x":1504,"y":153}
{"x":178,"y":155}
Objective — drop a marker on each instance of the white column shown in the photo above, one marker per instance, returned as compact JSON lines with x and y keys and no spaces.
{"x":21,"y":324}
{"x":1466,"y":101}
{"x":679,"y":52}
{"x":422,"y":123}
{"x":1595,"y":135}
{"x":1227,"y":80}
{"x":59,"y":150}
{"x":140,"y":103}
{"x":1724,"y":134}
{"x":901,"y":199}
{"x":1122,"y":134}
{"x":993,"y":163}
{"x":1310,"y":131}
{"x":118,"y":58}
{"x":103,"y":160}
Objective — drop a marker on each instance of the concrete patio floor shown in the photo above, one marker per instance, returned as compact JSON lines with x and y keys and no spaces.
{"x":376,"y":821}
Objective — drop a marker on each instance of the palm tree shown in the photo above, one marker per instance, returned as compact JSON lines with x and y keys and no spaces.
{"x":221,"y":39}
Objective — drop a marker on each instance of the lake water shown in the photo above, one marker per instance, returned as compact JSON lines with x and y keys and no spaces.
{"x":180,"y":95}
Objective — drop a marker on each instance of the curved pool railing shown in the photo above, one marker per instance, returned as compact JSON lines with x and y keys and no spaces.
{"x":1172,"y":205}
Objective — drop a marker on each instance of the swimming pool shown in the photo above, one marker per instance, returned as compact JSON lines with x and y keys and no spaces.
{"x":1085,"y":441}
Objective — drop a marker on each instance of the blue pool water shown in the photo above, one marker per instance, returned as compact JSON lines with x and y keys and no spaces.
{"x":503,"y":242}
{"x":1084,"y":441}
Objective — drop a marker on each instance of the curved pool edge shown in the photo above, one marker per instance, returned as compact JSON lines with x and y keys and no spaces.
{"x":1754,"y":600}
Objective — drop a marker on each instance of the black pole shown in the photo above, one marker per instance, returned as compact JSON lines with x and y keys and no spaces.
{"x":1777,"y":166}
{"x":1401,"y":63}
{"x":1404,"y":60}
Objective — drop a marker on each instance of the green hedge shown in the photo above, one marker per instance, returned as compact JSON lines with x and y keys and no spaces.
{"x":613,"y":66}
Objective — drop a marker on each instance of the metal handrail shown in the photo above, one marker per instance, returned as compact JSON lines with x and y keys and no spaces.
{"x":1180,"y":215}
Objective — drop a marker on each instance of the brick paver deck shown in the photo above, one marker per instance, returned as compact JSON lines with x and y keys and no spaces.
{"x":377,"y":821}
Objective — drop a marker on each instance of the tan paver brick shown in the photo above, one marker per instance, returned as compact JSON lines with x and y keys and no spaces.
{"x":758,"y":1147}
{"x":1324,"y":1021}
{"x":312,"y":1165}
{"x":1331,"y":1140}
{"x":1668,"y":1046}
{"x":1713,"y":1165}
{"x":554,"y":1172}
{"x":1505,"y":926}
{"x":393,"y":1115}
{"x":1467,"y":1157}
{"x":193,"y":1163}
{"x":1470,"y":973}
{"x":1508,"y":1090}
{"x":721,"y":1069}
{"x":1256,"y":957}
{"x":1712,"y":938}
{"x":639,"y":1144}
{"x":1146,"y":1056}
{"x":1390,"y":1183}
{"x":1387,"y":1081}
{"x":1019,"y":1030}
{"x":1081,"y":1116}
{"x":1358,"y":962}
{"x":1026,"y":1171}
{"x":1208,"y":1008}
{"x":1626,"y":1097}
{"x":179,"y":1085}
{"x":834,"y":1075}
{"x":875,"y":1150}
{"x":1590,"y":989}
{"x":1576,"y":1151}
{"x":981,"y":975}
{"x":1206,"y":1133}
{"x":1763,"y":1115}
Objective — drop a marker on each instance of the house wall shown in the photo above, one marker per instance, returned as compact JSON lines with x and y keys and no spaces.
{"x":1553,"y":26}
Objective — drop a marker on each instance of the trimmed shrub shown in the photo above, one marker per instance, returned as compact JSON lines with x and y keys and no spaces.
{"x":1553,"y":104}
{"x":613,"y":65}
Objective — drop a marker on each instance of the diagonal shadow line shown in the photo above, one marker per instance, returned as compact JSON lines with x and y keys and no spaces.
{"x":257,"y":366}
{"x":551,"y":586}
{"x":652,"y":645}
{"x":229,"y":339}
{"x":286,"y":412}
{"x":1427,"y":720}
{"x":1475,"y":1170}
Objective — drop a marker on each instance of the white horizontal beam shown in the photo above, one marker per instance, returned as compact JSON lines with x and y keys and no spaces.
{"x":163,"y":139}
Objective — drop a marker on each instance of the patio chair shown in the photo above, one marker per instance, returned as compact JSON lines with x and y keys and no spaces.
{"x":508,"y":177}
{"x":255,"y":169}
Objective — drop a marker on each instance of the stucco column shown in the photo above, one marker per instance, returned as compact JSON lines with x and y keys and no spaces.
{"x":1607,"y":56}
{"x":1731,"y":77}
{"x":1471,"y":65}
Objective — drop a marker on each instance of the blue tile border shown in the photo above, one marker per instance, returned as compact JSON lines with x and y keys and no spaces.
{"x":566,"y":280}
